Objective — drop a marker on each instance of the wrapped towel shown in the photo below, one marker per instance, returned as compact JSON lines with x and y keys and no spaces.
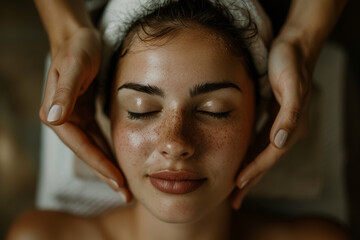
{"x":119,"y":14}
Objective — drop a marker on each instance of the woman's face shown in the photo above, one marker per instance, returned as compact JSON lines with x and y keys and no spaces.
{"x":182,"y":115}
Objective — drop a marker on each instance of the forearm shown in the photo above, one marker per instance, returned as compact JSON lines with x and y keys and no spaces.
{"x":61,"y":18}
{"x":309,"y":23}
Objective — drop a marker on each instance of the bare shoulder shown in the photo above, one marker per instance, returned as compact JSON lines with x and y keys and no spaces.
{"x":310,"y":228}
{"x":318,"y":228}
{"x":118,"y":223}
{"x":37,"y":224}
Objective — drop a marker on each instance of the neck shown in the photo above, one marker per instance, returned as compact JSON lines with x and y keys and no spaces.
{"x":213,"y":226}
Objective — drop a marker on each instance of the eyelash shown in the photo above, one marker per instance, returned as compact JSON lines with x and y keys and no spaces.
{"x":139,"y":116}
{"x":217,"y":115}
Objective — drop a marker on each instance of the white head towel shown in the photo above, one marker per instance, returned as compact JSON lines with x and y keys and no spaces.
{"x":119,"y":13}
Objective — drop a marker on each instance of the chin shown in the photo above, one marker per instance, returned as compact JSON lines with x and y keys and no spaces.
{"x":177,"y":209}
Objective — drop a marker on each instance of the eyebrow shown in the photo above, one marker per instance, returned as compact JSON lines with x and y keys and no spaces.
{"x":210,"y":87}
{"x":152,"y":90}
{"x":196,"y":90}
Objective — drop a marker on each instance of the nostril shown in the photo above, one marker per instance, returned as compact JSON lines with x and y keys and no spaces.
{"x":175,"y":149}
{"x":175,"y":154}
{"x":185,"y":154}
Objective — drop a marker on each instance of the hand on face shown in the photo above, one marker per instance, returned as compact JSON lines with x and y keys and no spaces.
{"x":69,"y":112}
{"x":290,"y":78}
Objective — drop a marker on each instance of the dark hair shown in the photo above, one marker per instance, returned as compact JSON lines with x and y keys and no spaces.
{"x":163,"y":20}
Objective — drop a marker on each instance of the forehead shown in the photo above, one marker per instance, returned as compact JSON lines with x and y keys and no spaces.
{"x":191,"y":54}
{"x":147,"y":37}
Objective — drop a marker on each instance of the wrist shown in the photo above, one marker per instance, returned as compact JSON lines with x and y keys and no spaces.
{"x":306,"y":43}
{"x":62,"y":19}
{"x":66,"y":32}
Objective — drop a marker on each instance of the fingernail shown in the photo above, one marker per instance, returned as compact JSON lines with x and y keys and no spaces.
{"x":244,"y":184}
{"x":120,"y":191}
{"x":122,"y":195}
{"x":54,"y":113}
{"x":114,"y":184}
{"x":280,"y":138}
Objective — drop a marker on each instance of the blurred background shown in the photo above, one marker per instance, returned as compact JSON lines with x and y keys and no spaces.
{"x":23,"y":47}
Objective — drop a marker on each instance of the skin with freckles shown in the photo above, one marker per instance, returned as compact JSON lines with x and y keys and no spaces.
{"x":179,"y":126}
{"x":186,"y":107}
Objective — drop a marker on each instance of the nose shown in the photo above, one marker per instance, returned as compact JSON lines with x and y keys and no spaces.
{"x":174,"y":138}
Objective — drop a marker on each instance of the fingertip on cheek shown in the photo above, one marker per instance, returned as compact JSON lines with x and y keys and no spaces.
{"x":114,"y":184}
{"x":243,"y":184}
{"x":123,"y":195}
{"x":236,"y":200}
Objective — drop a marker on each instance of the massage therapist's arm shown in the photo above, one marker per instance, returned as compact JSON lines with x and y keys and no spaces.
{"x":75,"y":61}
{"x":292,"y":60}
{"x":75,"y":54}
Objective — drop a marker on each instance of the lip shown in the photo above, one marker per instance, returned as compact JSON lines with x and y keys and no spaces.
{"x":176,"y":182}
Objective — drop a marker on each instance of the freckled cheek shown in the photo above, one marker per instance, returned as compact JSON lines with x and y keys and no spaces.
{"x":226,"y":146}
{"x":131,"y":145}
{"x":227,"y":138}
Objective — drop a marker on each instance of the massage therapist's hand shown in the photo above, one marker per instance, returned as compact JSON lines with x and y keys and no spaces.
{"x":74,"y":65}
{"x":70,"y":112}
{"x":292,"y":60}
{"x":68,"y":105}
{"x":290,"y":79}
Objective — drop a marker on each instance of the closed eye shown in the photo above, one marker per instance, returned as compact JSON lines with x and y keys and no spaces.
{"x":138,"y":116}
{"x":216,"y":115}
